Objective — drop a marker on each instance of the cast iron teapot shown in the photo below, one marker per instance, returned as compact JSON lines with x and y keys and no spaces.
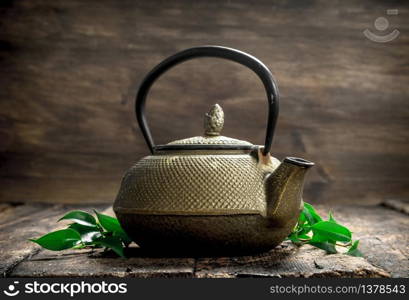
{"x":210,"y":193}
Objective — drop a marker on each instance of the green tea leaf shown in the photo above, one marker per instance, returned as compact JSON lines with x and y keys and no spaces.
{"x":308,"y":217}
{"x":112,"y":225}
{"x":80,"y":217}
{"x":353,"y":250}
{"x":326,"y":235}
{"x":113,"y":243}
{"x":59,"y":240}
{"x":318,"y":238}
{"x":304,"y":236}
{"x":304,"y":230}
{"x":310,"y":213}
{"x":332,"y":231}
{"x":88,"y":234}
{"x":331,"y":218}
{"x":301,"y":219}
{"x":85,"y":232}
{"x":329,"y":248}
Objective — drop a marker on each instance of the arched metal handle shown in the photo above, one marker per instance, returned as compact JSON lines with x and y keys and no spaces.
{"x":211,"y":51}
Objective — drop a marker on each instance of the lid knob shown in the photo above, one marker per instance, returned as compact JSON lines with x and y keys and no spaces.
{"x":214,"y":120}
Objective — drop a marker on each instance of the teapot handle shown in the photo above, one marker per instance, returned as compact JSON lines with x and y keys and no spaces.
{"x":211,"y":51}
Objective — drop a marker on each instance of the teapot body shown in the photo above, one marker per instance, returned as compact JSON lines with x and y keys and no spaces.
{"x":199,"y":201}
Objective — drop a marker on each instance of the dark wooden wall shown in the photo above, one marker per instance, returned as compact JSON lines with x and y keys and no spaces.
{"x":69,"y":71}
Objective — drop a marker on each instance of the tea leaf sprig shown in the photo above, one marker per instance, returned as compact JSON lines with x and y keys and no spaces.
{"x":324,"y":234}
{"x":87,"y":231}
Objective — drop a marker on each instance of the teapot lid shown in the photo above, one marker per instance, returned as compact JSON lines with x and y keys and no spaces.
{"x":211,"y":139}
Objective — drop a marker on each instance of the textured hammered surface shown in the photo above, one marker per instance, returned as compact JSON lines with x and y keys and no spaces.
{"x":209,"y":140}
{"x":199,"y":184}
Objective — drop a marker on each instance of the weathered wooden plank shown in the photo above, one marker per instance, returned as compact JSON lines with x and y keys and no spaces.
{"x":384,"y":253}
{"x":382,"y":233}
{"x":288,"y":261}
{"x":19,"y":258}
{"x":69,"y":73}
{"x":402,"y":206}
{"x":18,"y":224}
{"x":285,"y":261}
{"x":383,"y":240}
{"x":95,"y":264}
{"x":16,"y":227}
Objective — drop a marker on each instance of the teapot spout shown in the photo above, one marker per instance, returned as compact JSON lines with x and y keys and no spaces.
{"x":284,"y":188}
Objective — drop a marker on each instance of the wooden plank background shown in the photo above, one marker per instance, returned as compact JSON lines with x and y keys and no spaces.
{"x":69,"y":71}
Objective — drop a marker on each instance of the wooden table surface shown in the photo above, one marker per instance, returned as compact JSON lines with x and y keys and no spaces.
{"x":383,"y":232}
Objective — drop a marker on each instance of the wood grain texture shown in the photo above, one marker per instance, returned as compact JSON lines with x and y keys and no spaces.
{"x":287,"y":262}
{"x":23,"y":222}
{"x":382,"y":233}
{"x":69,"y":72}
